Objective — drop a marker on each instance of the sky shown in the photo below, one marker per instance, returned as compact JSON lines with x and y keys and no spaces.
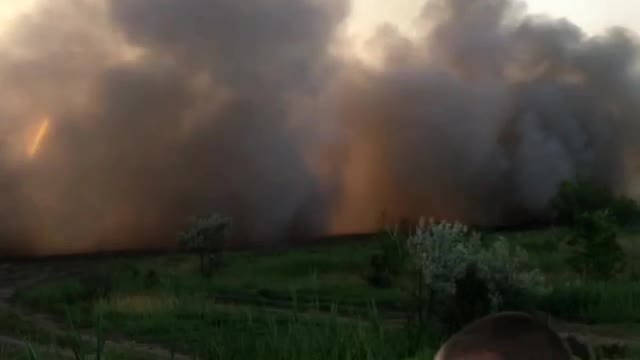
{"x":594,"y":16}
{"x":10,"y":8}
{"x":591,"y":15}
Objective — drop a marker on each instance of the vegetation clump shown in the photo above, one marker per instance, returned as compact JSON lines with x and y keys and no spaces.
{"x":459,"y":279}
{"x":596,"y":253}
{"x":388,"y":265}
{"x":593,"y":214}
{"x":575,"y":199}
{"x":207,"y":236}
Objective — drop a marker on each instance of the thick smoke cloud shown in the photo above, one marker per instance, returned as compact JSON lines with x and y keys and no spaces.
{"x":165,"y":109}
{"x":483,"y":116}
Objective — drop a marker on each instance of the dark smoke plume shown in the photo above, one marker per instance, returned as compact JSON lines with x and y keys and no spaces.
{"x":162,"y":110}
{"x":483,"y":116}
{"x":166,"y":109}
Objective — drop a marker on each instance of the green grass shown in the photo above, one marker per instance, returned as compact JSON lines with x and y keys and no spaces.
{"x":576,"y":299}
{"x":300,"y":304}
{"x":595,"y":302}
{"x":253,"y":307}
{"x":45,"y":344}
{"x":214,"y":333}
{"x":324,"y":277}
{"x":193,"y":326}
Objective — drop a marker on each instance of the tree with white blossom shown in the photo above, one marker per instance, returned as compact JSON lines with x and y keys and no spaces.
{"x":443,"y":254}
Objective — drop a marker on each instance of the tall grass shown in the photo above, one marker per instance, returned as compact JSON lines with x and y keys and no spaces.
{"x":265,"y":336}
{"x":594,"y":302}
{"x":304,"y":304}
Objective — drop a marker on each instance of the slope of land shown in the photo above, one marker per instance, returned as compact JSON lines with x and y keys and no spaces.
{"x":285,"y":304}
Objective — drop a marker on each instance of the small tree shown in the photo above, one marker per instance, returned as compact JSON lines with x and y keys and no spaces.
{"x":574,"y":199}
{"x":595,"y":249}
{"x":207,"y":236}
{"x":626,"y":211}
{"x":454,"y":269}
{"x":440,"y":254}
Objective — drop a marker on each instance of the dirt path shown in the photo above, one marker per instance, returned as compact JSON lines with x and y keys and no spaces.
{"x":14,"y":276}
{"x":612,"y":340}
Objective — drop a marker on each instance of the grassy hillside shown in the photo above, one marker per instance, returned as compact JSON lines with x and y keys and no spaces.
{"x":313,"y":303}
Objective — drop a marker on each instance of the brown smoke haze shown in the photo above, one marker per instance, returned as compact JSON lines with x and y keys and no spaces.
{"x":160,"y":110}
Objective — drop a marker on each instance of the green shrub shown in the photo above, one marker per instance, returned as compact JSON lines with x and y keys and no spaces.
{"x":459,"y":279}
{"x":576,"y":198}
{"x":387,"y":265}
{"x":471,"y":300}
{"x":207,"y":236}
{"x":626,"y":211}
{"x":596,"y":252}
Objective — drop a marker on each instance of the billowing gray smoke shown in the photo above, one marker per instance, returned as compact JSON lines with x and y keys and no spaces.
{"x":165,"y":109}
{"x":487,"y":113}
{"x":162,"y":110}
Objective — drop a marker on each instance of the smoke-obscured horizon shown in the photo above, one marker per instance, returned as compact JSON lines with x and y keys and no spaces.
{"x":164,"y":110}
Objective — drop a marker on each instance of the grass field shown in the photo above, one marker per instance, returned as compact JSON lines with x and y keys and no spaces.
{"x":312,"y":303}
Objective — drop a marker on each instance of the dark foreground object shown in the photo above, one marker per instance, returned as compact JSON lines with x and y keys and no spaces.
{"x":505,"y":336}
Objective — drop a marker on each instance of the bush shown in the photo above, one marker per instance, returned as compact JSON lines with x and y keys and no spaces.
{"x":595,"y":249}
{"x":207,"y":236}
{"x":387,"y":265}
{"x":471,"y":300}
{"x":577,"y":198}
{"x":459,"y":279}
{"x":626,"y":211}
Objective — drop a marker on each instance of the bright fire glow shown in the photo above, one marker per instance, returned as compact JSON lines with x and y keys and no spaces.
{"x":40,"y":136}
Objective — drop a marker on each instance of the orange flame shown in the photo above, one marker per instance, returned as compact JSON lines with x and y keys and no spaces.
{"x":39,"y":138}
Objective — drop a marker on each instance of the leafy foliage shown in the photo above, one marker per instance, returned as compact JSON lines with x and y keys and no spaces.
{"x":463,"y":279}
{"x":577,"y":198}
{"x":387,"y":265}
{"x":509,"y":275}
{"x":471,"y":300}
{"x":595,"y":249}
{"x":207,"y":236}
{"x":594,"y":213}
{"x":626,"y":211}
